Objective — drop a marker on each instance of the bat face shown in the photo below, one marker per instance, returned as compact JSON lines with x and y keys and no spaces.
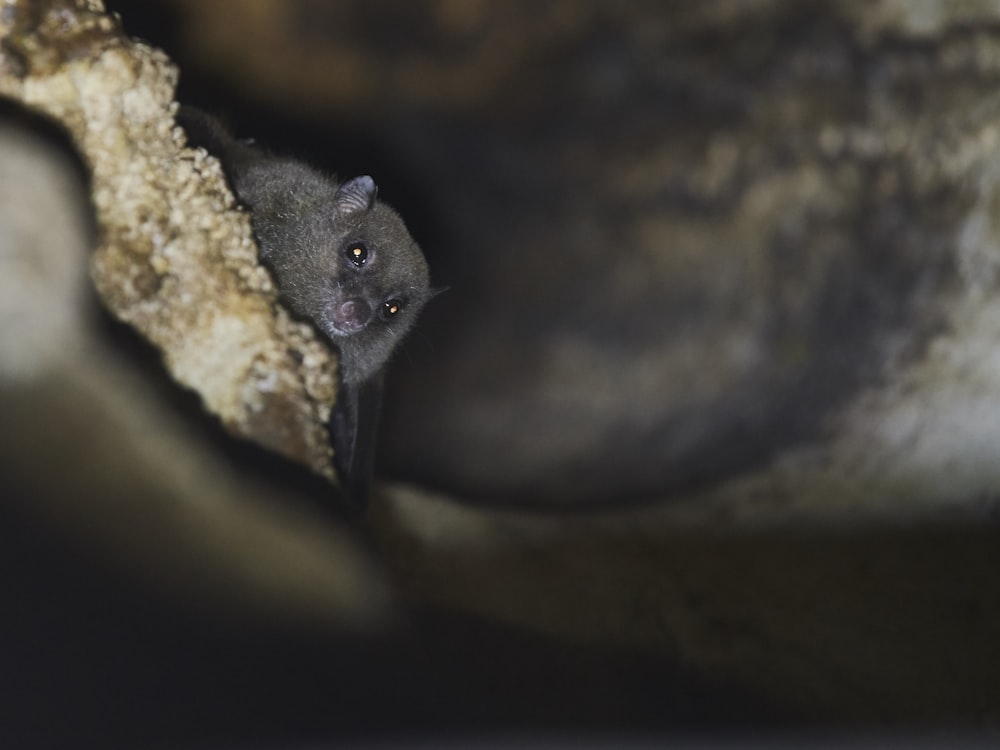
{"x":374,"y":285}
{"x":342,"y":259}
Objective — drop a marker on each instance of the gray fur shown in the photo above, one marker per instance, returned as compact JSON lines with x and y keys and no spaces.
{"x":305,"y":223}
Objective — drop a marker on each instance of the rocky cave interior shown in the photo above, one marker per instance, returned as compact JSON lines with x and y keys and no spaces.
{"x":639,"y":473}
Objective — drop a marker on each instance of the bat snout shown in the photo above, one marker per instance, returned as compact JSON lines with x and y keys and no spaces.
{"x":351,"y":315}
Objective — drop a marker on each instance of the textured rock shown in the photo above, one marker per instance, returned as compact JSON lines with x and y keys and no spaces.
{"x":90,"y":446}
{"x":93,"y":449}
{"x":888,"y":624}
{"x":740,"y":227}
{"x":176,"y":259}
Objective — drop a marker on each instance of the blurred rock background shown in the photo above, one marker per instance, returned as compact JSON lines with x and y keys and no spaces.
{"x":678,"y":239}
{"x":701,"y":437}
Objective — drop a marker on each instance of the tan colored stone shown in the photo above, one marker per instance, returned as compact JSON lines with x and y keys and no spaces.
{"x":176,"y":259}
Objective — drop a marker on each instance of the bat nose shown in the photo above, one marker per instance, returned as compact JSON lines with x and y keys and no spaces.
{"x":352,"y":315}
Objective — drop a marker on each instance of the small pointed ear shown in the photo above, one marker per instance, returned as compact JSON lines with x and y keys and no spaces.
{"x":355,"y":195}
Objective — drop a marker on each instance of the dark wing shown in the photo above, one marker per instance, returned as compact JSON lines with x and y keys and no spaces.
{"x":353,"y":430}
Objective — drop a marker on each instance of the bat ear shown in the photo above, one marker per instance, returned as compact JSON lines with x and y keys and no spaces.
{"x":356,"y":195}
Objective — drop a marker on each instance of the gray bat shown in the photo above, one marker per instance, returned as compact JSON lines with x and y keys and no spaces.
{"x":343,"y":260}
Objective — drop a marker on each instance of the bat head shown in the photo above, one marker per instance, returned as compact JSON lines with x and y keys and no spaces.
{"x":378,"y":281}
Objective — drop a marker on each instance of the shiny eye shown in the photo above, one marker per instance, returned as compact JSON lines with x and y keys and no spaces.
{"x":391,"y":307}
{"x":357,"y":253}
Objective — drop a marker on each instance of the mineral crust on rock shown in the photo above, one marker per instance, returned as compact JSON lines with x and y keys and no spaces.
{"x":175,"y":259}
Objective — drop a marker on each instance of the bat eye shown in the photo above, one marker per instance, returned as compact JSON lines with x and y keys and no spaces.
{"x":391,"y":308}
{"x":357,"y":253}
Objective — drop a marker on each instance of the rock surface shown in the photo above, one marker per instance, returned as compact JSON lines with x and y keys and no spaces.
{"x":176,"y":259}
{"x":89,"y":443}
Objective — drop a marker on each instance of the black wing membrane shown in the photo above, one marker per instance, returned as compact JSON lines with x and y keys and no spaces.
{"x":353,"y":430}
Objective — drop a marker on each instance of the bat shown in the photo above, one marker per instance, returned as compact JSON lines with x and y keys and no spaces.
{"x":343,"y":260}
